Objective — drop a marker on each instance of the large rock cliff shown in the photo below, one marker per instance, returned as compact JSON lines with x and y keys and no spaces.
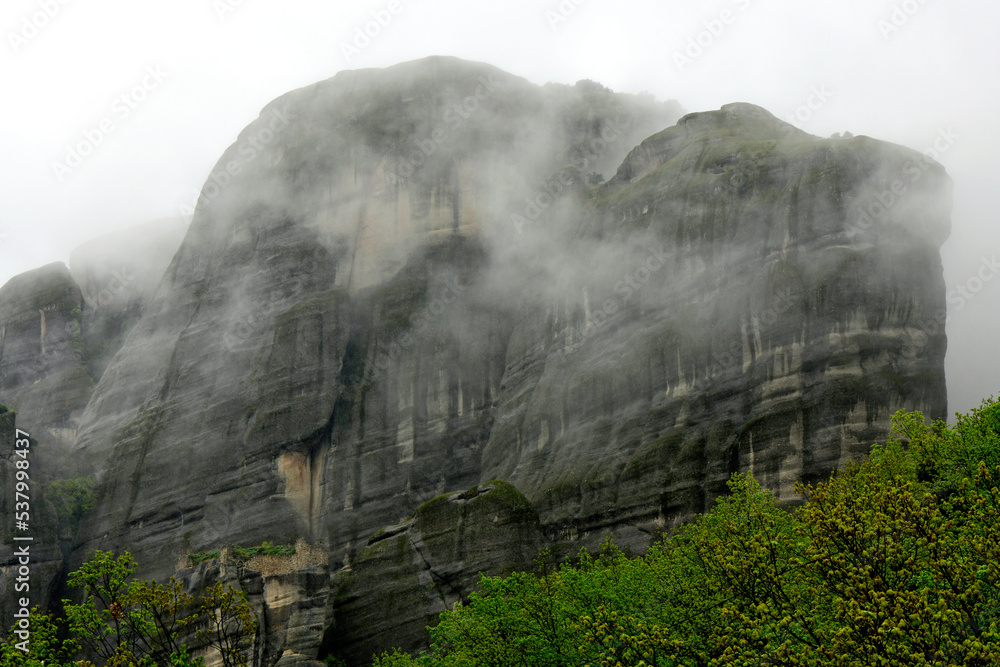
{"x":60,"y":327}
{"x":405,"y":283}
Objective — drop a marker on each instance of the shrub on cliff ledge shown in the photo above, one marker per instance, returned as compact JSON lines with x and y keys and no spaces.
{"x":72,"y":498}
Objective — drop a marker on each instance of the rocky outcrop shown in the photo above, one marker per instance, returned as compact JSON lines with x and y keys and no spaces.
{"x":323,"y":354}
{"x":402,"y":283}
{"x":290,"y":594}
{"x":60,"y":327}
{"x":411,"y":572}
{"x":42,"y":372}
{"x":768,"y":314}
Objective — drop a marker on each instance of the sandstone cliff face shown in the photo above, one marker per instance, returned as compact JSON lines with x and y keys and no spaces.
{"x":411,"y":572}
{"x":42,"y":372}
{"x":59,"y":328}
{"x":323,"y":356}
{"x":403,"y":283}
{"x":761,"y":322}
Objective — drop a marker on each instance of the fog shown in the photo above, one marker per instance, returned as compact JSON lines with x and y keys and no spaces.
{"x":116,"y":111}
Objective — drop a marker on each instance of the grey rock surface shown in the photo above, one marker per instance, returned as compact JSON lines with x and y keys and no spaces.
{"x":324,"y":353}
{"x":411,"y":572}
{"x":43,"y":375}
{"x":60,"y":327}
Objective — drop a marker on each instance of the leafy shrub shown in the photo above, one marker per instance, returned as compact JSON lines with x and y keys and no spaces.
{"x":72,"y":498}
{"x":202,"y":556}
{"x":265,"y":549}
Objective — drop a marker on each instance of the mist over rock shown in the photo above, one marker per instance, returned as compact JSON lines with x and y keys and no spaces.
{"x":117,"y":274}
{"x":402,"y":284}
{"x":42,"y":372}
{"x":59,"y":328}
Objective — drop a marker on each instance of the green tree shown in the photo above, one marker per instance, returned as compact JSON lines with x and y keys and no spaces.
{"x":229,"y":623}
{"x":123,"y":620}
{"x":45,"y":647}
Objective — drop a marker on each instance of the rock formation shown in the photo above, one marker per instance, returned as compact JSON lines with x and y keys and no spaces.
{"x":59,"y":328}
{"x":404,"y":283}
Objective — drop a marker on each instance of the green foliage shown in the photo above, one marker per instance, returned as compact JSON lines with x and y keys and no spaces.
{"x":182,"y":659}
{"x":123,"y":621}
{"x":245,"y":553}
{"x":45,"y":647}
{"x":72,"y":498}
{"x":945,"y":456}
{"x":231,"y":623}
{"x":126,"y":621}
{"x":265,"y":549}
{"x":895,"y":560}
{"x":203,"y":556}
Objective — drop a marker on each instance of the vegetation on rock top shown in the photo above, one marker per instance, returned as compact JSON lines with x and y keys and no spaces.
{"x":245,"y":553}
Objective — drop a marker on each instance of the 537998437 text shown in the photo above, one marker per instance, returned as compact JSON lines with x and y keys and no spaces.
{"x":22,"y":540}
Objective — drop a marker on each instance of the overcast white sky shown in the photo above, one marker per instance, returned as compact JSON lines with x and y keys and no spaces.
{"x":195,"y":72}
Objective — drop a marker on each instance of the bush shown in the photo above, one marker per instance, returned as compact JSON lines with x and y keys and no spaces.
{"x":265,"y":549}
{"x":203,"y":556}
{"x":72,"y":498}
